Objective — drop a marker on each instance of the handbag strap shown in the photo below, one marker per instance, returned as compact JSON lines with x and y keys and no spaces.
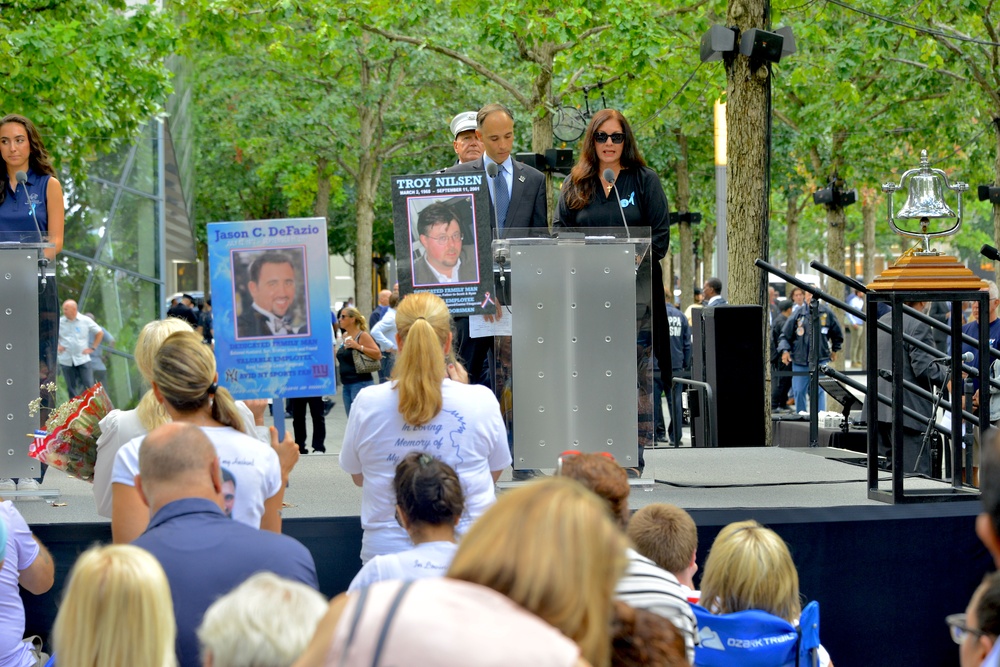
{"x":384,"y":632}
{"x":388,"y":622}
{"x":358,"y":609}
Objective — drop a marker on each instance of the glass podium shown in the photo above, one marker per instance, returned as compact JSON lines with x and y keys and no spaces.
{"x":580,"y":354}
{"x":27,"y":283}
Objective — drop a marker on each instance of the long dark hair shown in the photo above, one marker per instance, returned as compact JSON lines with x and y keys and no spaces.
{"x":39,"y":159}
{"x":579,"y":188}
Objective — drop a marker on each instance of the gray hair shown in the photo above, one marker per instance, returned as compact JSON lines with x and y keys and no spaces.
{"x":267,"y":621}
{"x":994,"y":292}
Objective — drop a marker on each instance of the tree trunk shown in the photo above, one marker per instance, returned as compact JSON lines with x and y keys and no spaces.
{"x":541,"y":121}
{"x":746,"y":150}
{"x":996,"y":209}
{"x":683,"y":204}
{"x":747,"y":183}
{"x":368,"y":174}
{"x":792,"y":211}
{"x":707,"y":244}
{"x":868,"y":199}
{"x":323,"y":188}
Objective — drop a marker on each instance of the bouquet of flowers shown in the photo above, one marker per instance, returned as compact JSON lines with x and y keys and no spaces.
{"x":71,"y":433}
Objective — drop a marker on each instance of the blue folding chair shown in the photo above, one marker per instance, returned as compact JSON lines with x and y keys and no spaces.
{"x":756,"y":638}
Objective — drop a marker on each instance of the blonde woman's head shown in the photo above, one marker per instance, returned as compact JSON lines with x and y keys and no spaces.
{"x":151,"y":338}
{"x":116,"y":610}
{"x":552,"y":547}
{"x":184,"y":374}
{"x":151,"y":414}
{"x":750,"y":567}
{"x":352,"y":313}
{"x":423,"y":324}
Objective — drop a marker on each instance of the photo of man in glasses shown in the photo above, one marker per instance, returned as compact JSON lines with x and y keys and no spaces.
{"x":449,"y":255}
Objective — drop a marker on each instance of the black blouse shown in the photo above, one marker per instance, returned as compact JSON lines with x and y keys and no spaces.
{"x":642,"y":200}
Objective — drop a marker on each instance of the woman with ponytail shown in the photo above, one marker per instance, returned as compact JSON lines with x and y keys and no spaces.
{"x":184,"y":382}
{"x":421,"y":409}
{"x":120,"y":426}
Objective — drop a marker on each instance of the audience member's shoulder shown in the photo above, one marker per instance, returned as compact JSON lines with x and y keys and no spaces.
{"x":433,"y":607}
{"x":640,"y":566}
{"x":475,"y":394}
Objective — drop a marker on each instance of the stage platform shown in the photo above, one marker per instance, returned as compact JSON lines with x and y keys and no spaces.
{"x":885,"y":576}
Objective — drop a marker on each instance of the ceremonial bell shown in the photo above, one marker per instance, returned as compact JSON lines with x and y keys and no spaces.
{"x":925,"y":200}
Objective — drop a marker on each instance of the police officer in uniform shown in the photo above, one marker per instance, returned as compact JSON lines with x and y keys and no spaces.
{"x":795,"y":342}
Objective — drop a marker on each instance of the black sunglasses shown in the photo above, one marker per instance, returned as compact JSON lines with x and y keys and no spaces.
{"x":616,"y":138}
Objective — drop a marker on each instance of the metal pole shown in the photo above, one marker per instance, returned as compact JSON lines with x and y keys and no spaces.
{"x":814,"y":334}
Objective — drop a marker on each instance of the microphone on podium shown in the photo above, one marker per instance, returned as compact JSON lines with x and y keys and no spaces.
{"x":609,"y":176}
{"x":500,"y":257}
{"x":22,"y":179}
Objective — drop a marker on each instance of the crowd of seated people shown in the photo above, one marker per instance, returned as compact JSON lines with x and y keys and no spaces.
{"x":554,"y":572}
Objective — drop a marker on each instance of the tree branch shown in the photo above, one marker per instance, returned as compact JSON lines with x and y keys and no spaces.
{"x":785,"y":119}
{"x":977,"y":75}
{"x":576,"y":89}
{"x":946,"y":72}
{"x":423,"y":151}
{"x":455,"y":55}
{"x":596,"y":30}
{"x":895,"y":103}
{"x":339,"y":157}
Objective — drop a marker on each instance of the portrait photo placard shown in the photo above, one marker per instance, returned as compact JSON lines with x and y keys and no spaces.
{"x":443,"y":239}
{"x":271,"y":307}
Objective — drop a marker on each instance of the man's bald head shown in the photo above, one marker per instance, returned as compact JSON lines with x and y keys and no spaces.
{"x":383,"y":297}
{"x":177,"y":461}
{"x":174,"y":451}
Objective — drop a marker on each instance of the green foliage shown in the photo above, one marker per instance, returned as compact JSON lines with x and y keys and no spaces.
{"x":88,"y":72}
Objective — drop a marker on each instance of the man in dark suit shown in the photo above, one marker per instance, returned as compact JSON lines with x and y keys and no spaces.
{"x":446,"y":259}
{"x":518,"y":207}
{"x":272,"y":285}
{"x":522,"y":205}
{"x":921,"y":369}
{"x":517,"y":202}
{"x":712,"y":293}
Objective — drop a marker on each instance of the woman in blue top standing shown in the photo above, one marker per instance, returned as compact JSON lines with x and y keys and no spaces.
{"x":40,"y":197}
{"x":30,"y":209}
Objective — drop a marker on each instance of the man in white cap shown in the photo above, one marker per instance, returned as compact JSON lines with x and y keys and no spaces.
{"x":467,"y":145}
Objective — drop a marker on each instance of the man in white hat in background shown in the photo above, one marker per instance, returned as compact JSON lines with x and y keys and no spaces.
{"x":467,"y":145}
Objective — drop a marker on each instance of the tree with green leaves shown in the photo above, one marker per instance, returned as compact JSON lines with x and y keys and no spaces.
{"x":539,"y":55}
{"x":324,"y":108}
{"x":89,"y":73}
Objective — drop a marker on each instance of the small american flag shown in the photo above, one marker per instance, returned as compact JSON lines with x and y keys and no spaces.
{"x":36,"y":449}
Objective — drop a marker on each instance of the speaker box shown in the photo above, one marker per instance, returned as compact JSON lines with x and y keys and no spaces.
{"x":732,"y":345}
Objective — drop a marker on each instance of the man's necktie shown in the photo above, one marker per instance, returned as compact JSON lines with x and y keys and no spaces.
{"x":502,"y":197}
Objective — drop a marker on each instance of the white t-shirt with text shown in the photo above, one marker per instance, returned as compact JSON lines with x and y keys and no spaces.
{"x":468,"y":434}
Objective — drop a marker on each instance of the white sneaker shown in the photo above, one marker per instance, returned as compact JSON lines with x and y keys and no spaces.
{"x":7,"y":484}
{"x":27,"y":484}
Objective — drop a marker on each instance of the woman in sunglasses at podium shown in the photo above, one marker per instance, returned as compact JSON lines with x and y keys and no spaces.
{"x":32,"y":208}
{"x":611,"y":186}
